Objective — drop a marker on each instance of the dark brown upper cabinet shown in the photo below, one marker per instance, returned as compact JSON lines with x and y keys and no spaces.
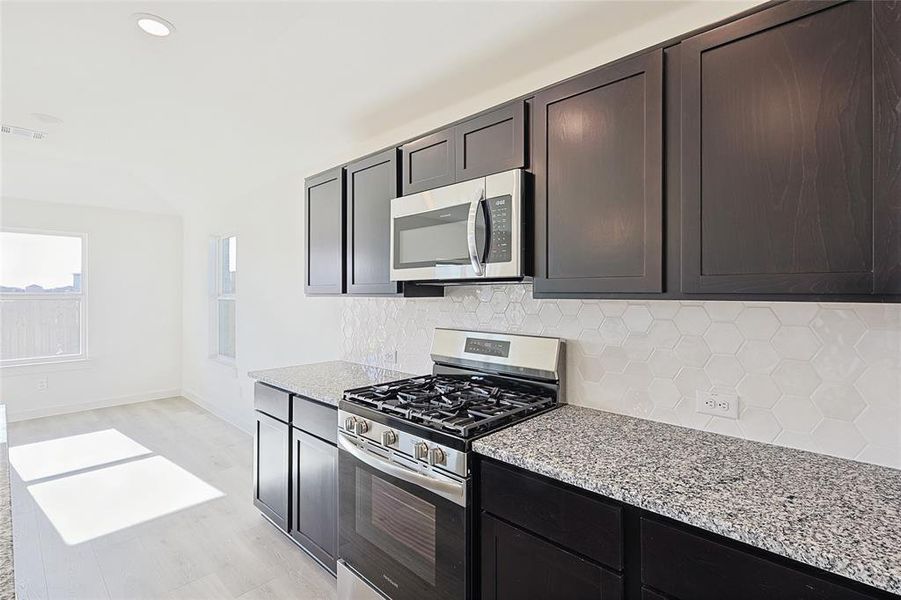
{"x":324,"y":198}
{"x":371,"y":185}
{"x":887,"y":145}
{"x":428,"y":162}
{"x":491,"y":143}
{"x":598,"y":181}
{"x":778,"y":181}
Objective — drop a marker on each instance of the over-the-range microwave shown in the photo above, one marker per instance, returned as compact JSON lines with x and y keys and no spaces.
{"x":468,"y":231}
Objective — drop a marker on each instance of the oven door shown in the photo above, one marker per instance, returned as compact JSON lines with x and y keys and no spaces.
{"x":400,"y":529}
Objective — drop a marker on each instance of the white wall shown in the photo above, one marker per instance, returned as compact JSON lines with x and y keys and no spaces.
{"x":276,"y":324}
{"x":133,"y":270}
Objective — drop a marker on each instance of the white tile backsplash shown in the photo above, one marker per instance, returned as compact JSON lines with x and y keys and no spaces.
{"x":823,"y":377}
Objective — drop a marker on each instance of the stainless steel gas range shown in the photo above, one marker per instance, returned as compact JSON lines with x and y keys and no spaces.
{"x":405,"y":510}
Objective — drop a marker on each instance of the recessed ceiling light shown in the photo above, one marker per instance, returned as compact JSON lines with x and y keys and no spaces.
{"x":154,"y":25}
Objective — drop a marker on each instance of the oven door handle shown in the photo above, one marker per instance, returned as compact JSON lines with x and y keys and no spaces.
{"x":452,"y":490}
{"x":474,"y":255}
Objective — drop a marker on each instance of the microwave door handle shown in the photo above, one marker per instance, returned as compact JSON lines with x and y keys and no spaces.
{"x":451,"y":490}
{"x":474,"y":255}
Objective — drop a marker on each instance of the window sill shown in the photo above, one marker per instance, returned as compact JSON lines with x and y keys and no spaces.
{"x":50,"y":366}
{"x":226,"y":363}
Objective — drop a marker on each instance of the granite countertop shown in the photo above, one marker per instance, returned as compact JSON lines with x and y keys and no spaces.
{"x":326,"y":381}
{"x":7,"y":580}
{"x":839,"y":515}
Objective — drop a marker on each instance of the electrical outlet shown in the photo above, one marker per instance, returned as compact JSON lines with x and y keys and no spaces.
{"x":718,"y":404}
{"x":42,"y":384}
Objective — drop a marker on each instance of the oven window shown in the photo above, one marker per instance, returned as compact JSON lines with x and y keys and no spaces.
{"x":402,"y":525}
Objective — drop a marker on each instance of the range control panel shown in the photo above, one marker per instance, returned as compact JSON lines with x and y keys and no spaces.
{"x":500,"y":217}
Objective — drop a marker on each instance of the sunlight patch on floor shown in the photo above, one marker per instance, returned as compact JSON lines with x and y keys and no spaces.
{"x":64,"y":455}
{"x":89,"y":505}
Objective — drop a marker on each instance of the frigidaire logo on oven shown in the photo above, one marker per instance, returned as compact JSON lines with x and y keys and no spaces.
{"x":389,"y":580}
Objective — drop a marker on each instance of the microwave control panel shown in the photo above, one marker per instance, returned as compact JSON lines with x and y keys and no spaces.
{"x":500,"y":210}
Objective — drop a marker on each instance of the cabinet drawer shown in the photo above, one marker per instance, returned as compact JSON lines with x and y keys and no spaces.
{"x":585,"y":525}
{"x":316,"y":419}
{"x":272,"y":401}
{"x":686,"y":566}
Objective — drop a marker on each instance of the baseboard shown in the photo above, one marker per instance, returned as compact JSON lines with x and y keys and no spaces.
{"x":50,"y":411}
{"x":216,"y":410}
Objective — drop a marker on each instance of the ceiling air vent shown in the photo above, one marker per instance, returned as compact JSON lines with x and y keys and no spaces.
{"x":23,"y":132}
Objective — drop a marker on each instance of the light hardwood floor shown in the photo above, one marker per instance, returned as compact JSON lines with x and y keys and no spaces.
{"x":221,"y":548}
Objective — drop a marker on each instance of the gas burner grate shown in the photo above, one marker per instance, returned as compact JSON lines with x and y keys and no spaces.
{"x":463,"y":405}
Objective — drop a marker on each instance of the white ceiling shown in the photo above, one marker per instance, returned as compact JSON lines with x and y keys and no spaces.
{"x":245,"y":92}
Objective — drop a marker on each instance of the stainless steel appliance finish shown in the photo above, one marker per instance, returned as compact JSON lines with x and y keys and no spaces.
{"x":352,"y":587}
{"x":395,"y":445}
{"x":528,"y":355}
{"x":418,"y":471}
{"x":472,"y":230}
{"x":405,"y":515}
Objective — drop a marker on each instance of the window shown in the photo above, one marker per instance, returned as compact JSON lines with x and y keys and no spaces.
{"x":42,"y":297}
{"x":224,"y":261}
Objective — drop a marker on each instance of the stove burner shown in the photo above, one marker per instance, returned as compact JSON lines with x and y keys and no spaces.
{"x":464,"y":405}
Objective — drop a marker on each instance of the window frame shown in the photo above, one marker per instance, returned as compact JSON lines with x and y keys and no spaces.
{"x":216,"y":295}
{"x":83,"y":355}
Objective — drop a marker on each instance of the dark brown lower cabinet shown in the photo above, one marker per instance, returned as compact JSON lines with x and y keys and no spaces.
{"x":533,"y":546}
{"x":314,"y":473}
{"x":686,"y":566}
{"x":516,"y":565}
{"x":271,"y":451}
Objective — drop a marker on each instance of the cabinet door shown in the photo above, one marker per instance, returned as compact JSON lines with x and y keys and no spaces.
{"x":887,"y":144}
{"x":371,"y":185}
{"x":777,"y":166}
{"x":598,"y":181}
{"x":492,"y":143}
{"x":428,"y":162}
{"x":518,"y":566}
{"x":271,"y":464}
{"x":315,"y":516}
{"x":325,"y":233}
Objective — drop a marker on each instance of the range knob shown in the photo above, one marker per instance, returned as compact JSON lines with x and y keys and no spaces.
{"x":437,"y":457}
{"x":421,"y":451}
{"x":362,"y":427}
{"x":350,"y":424}
{"x":389,"y":438}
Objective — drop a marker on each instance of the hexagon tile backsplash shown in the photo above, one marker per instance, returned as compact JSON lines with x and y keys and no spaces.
{"x":820,"y":377}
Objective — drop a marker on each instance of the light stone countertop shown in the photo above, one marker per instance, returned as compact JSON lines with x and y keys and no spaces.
{"x":7,"y":579}
{"x":326,"y":381}
{"x":839,"y":515}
